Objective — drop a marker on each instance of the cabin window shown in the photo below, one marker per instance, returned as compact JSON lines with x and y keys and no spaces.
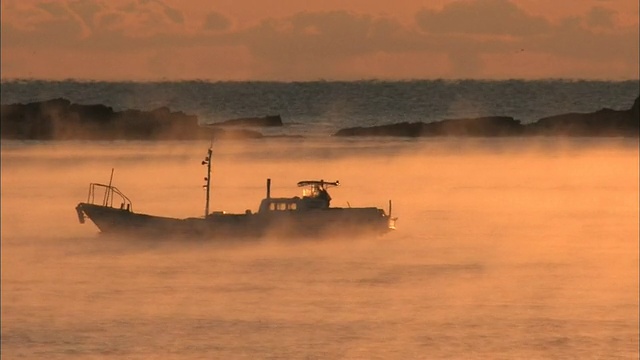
{"x":282,"y":206}
{"x":311,"y":192}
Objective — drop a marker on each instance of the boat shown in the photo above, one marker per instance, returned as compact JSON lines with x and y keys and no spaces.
{"x":309,"y":215}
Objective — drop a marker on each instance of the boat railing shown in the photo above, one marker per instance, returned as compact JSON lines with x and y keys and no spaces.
{"x":107,"y":193}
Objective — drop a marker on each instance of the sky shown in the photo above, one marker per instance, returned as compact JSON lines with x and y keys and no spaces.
{"x":297,"y":40}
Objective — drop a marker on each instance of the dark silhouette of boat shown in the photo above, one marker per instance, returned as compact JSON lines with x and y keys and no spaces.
{"x":307,"y":216}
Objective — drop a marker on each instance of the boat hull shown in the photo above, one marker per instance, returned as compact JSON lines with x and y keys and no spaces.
{"x":331,"y":222}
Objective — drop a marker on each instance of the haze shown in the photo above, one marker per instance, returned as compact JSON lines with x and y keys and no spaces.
{"x":505,"y":248}
{"x":332,"y":40}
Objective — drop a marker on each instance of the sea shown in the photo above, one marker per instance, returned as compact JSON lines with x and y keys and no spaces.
{"x":323,"y":107}
{"x":505,"y":248}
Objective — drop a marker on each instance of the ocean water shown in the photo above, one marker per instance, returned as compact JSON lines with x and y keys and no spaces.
{"x":505,"y":249}
{"x":321,"y":108}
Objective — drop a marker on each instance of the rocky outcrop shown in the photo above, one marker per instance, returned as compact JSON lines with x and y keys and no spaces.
{"x":59,"y":119}
{"x":266,"y":121}
{"x":605,"y":122}
{"x":483,"y":126}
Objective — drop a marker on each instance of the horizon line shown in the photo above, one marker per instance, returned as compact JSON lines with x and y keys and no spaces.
{"x":196,"y":80}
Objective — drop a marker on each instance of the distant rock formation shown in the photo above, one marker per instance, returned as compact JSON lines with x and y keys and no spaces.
{"x":266,"y":121}
{"x":605,"y":122}
{"x":484,"y":126}
{"x":59,"y":119}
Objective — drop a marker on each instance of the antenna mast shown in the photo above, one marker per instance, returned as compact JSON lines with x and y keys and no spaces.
{"x":207,"y":186}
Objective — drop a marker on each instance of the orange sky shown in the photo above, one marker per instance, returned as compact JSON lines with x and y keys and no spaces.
{"x":329,"y":39}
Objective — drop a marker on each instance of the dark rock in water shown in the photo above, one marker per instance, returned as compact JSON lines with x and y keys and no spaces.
{"x":483,"y":126}
{"x":605,"y":122}
{"x":59,"y":119}
{"x":236,"y":134}
{"x":266,"y":121}
{"x":400,"y":129}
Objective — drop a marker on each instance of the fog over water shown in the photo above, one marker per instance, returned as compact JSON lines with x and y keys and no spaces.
{"x":505,"y":249}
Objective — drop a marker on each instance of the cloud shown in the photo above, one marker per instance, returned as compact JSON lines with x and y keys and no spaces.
{"x":601,"y":17}
{"x":319,"y":43}
{"x":215,"y":21}
{"x":489,"y":27}
{"x":329,"y":33}
{"x":323,"y":44}
{"x":486,"y":17}
{"x":173,"y":14}
{"x":46,"y":24}
{"x":92,"y":25}
{"x":572,"y":40}
{"x":55,"y":9}
{"x":86,"y":10}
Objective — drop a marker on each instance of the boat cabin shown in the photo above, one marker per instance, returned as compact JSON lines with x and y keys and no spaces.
{"x":314,"y":196}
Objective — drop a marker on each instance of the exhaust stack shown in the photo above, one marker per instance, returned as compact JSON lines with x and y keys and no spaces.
{"x":268,"y":188}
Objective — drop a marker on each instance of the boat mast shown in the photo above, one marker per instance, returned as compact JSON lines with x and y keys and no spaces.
{"x":207,"y":186}
{"x":109,"y":192}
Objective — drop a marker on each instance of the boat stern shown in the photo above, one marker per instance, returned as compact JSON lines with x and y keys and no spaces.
{"x":391,"y":222}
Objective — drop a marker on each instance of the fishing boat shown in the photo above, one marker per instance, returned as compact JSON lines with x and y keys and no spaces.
{"x":309,"y":215}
